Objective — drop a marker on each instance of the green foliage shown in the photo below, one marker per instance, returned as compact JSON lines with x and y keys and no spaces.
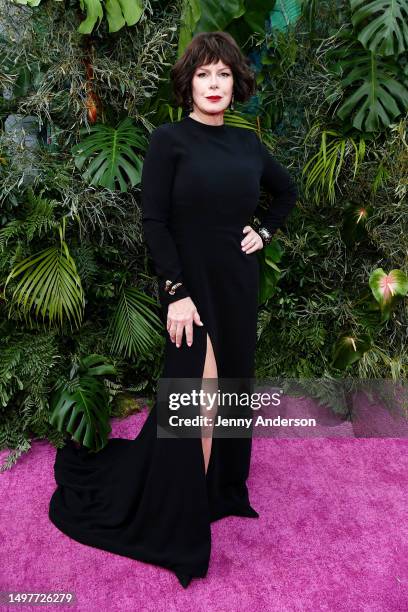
{"x":348,"y":350}
{"x":387,"y":288}
{"x":383,"y":23}
{"x":243,"y":20}
{"x":380,"y":90}
{"x":135,"y":328}
{"x":27,"y":361}
{"x":49,"y":286}
{"x":372,"y":84}
{"x":80,"y":407}
{"x":269,"y":272}
{"x":354,"y":227}
{"x":118,"y":13}
{"x":314,"y":293}
{"x":113,"y":162}
{"x":323,"y":169}
{"x":284,"y":13}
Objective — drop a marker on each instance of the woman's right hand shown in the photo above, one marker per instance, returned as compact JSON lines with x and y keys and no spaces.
{"x":180,"y":316}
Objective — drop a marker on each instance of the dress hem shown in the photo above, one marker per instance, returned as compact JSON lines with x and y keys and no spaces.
{"x":107,"y":546}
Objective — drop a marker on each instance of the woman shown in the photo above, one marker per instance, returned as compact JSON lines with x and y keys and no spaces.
{"x":154,"y":498}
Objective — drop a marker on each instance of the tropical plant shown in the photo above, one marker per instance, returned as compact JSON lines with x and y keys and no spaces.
{"x":270,"y":273}
{"x":387,"y":288}
{"x":377,"y":87}
{"x":118,"y":13}
{"x":323,"y":169}
{"x":135,"y":328}
{"x":80,"y":406}
{"x":350,"y":217}
{"x":49,"y":285}
{"x":382,"y":25}
{"x":110,"y":152}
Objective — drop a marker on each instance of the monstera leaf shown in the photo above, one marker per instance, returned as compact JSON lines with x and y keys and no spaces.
{"x":81,"y":406}
{"x":376,"y":89}
{"x":110,"y":153}
{"x":385,"y":25}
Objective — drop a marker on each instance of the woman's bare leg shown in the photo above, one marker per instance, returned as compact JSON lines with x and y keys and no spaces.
{"x":209,"y":386}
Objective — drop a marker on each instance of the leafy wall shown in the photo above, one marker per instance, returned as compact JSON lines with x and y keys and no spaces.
{"x":83,"y":83}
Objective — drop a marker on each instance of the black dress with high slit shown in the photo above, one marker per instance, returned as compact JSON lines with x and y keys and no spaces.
{"x":150,"y":498}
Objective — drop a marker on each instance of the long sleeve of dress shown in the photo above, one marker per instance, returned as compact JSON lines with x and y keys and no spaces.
{"x":278,"y":183}
{"x":157,"y":179}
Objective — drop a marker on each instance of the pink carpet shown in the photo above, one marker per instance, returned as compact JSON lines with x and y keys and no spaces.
{"x":332,"y":535}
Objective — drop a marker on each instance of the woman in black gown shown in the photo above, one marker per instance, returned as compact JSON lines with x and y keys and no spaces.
{"x":153,"y":498}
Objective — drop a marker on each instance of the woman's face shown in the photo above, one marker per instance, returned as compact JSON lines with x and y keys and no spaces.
{"x":212,"y":87}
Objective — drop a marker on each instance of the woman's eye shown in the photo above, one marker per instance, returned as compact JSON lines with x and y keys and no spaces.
{"x":223,"y":73}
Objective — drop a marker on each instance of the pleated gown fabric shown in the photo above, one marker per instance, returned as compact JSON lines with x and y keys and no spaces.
{"x":149,"y":498}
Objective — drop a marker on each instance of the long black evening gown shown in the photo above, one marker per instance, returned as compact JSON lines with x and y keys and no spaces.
{"x":149,"y":498}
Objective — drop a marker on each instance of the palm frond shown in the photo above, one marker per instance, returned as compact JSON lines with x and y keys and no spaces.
{"x":134,"y":327}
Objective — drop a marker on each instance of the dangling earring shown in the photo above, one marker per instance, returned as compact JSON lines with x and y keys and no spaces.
{"x":190,"y":104}
{"x":231,"y":106}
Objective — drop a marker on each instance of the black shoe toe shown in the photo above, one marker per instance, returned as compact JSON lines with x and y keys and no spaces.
{"x":184,"y":579}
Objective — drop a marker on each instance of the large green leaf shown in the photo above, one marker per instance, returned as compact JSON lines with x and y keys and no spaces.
{"x":387,"y":287}
{"x":350,"y":349}
{"x":384,"y":25}
{"x":134,"y":327}
{"x":81,"y":407}
{"x":122,"y":12}
{"x":94,"y":13}
{"x":190,"y":16}
{"x":257,"y":13}
{"x":118,"y":13}
{"x":378,"y":90}
{"x":285,"y":13}
{"x":111,"y":156}
{"x":49,"y":285}
{"x":269,"y":272}
{"x":218,"y":15}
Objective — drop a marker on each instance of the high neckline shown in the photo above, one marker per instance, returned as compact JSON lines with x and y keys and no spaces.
{"x":205,"y":126}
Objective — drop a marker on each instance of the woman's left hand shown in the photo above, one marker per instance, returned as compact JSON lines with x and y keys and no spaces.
{"x":252,"y":241}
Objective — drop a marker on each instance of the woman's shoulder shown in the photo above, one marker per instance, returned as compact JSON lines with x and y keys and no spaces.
{"x":248,"y":138}
{"x":170,"y":131}
{"x":163,"y":136}
{"x":162,"y":130}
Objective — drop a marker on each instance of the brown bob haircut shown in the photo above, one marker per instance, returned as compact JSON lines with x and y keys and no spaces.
{"x":208,"y":48}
